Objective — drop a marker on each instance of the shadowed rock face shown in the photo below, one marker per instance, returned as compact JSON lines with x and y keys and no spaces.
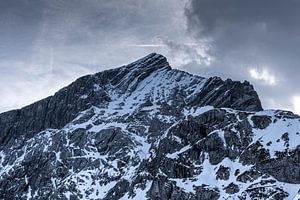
{"x":56,"y":111}
{"x":145,"y":130}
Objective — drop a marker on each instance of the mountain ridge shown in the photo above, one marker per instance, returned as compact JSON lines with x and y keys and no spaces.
{"x":147,"y":131}
{"x":142,"y":67}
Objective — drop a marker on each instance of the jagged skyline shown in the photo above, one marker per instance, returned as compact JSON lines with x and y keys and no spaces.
{"x":45,"y":45}
{"x":147,"y":131}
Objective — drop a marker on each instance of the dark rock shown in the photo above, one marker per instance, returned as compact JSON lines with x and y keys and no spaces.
{"x":229,"y":94}
{"x":261,"y":122}
{"x":223,"y":173}
{"x":232,"y":188}
{"x":143,"y":131}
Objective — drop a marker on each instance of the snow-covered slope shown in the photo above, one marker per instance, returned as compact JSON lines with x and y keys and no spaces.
{"x":146,"y":131}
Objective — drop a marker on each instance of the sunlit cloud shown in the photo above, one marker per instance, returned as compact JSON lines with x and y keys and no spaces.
{"x":59,"y":41}
{"x":182,"y":53}
{"x":263,"y":75}
{"x":296,"y":104}
{"x":34,"y":82}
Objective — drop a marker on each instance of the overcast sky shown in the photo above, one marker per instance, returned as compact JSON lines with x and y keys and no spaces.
{"x":47,"y":44}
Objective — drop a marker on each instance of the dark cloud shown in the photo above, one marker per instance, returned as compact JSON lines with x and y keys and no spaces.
{"x":262,"y":36}
{"x":45,"y":44}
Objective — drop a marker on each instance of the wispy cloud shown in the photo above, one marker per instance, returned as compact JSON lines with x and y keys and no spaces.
{"x":296,"y":104}
{"x":263,"y":75}
{"x":255,"y":34}
{"x":47,"y":44}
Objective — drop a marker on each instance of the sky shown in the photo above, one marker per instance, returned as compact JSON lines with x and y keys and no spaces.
{"x":45,"y":45}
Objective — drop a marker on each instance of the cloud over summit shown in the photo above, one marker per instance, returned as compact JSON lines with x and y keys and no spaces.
{"x":252,"y":35}
{"x":45,"y":45}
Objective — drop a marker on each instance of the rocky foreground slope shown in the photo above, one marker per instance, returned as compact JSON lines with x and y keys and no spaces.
{"x":146,"y":131}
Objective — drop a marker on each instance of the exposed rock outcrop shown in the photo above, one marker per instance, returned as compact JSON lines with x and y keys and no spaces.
{"x":146,"y":131}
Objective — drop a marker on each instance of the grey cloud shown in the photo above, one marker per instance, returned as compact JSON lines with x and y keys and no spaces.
{"x":188,"y":53}
{"x":46,"y":44}
{"x":252,"y":34}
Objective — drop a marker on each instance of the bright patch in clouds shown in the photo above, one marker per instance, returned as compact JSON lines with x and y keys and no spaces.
{"x":296,"y":104}
{"x":263,"y":75}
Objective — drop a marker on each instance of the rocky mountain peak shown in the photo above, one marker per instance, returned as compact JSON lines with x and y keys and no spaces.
{"x":146,"y":131}
{"x":152,"y":60}
{"x":149,"y":79}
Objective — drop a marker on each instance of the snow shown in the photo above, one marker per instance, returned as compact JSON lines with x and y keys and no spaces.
{"x":8,"y":167}
{"x":208,"y":178}
{"x":92,"y":188}
{"x":175,"y":154}
{"x":297,"y":197}
{"x":273,"y":133}
{"x":144,"y":147}
{"x":83,"y":96}
{"x":158,"y":88}
{"x":220,"y":134}
{"x":57,"y":155}
{"x":88,"y":186}
{"x":97,"y":88}
{"x":139,"y":193}
{"x":68,"y":195}
{"x":29,"y":195}
{"x":197,"y":111}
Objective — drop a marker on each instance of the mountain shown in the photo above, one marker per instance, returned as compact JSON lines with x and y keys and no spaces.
{"x":147,"y":131}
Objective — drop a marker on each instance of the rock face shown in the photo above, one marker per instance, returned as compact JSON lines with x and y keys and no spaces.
{"x":146,"y":131}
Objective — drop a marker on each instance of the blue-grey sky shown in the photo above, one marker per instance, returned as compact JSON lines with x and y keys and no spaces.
{"x":46,"y":44}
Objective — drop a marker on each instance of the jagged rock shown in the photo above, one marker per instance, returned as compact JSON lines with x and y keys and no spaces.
{"x":223,"y":173}
{"x":261,"y":122}
{"x":249,"y":176}
{"x":232,"y":188}
{"x":228,"y":94}
{"x":146,"y":131}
